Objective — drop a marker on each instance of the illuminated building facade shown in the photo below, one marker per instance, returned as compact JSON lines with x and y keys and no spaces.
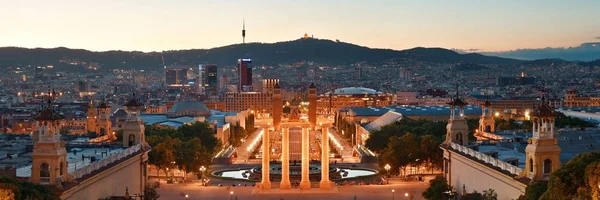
{"x":331,"y":102}
{"x":238,"y":101}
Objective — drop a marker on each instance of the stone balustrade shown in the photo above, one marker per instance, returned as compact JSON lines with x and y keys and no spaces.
{"x":104,"y":162}
{"x":487,"y":159}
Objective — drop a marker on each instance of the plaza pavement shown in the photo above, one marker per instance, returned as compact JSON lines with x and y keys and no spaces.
{"x":195,"y":191}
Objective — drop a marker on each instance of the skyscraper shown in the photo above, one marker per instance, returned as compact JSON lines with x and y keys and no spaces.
{"x":209,"y":79}
{"x":176,"y":75}
{"x":245,"y":75}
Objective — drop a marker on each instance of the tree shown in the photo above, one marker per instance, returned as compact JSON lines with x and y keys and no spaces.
{"x":150,"y":191}
{"x":592,"y":180}
{"x":162,"y":154}
{"x":430,"y":151}
{"x":400,"y":152}
{"x":437,"y":188}
{"x":534,"y":190}
{"x":565,"y":182}
{"x":119,"y":134}
{"x":188,"y":155}
{"x":25,"y":190}
{"x":472,"y":196}
{"x":7,"y":191}
{"x":490,"y":194}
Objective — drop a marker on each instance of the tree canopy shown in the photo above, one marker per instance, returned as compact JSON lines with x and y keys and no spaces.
{"x":437,"y":188}
{"x":187,"y":148}
{"x":569,"y":181}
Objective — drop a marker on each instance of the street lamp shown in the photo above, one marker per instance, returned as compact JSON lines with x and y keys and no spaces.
{"x":186,"y":197}
{"x":202,"y":169}
{"x":231,"y":195}
{"x":387,"y":168}
{"x":393,"y":193}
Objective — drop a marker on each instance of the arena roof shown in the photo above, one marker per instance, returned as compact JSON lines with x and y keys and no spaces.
{"x":354,"y":91}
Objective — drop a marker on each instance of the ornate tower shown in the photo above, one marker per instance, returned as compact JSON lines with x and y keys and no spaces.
{"x":312,"y":105}
{"x":91,"y":117}
{"x":133,"y":128}
{"x":103,"y":123}
{"x":457,"y":130}
{"x":49,"y":157}
{"x":487,"y":121}
{"x":542,"y":152}
{"x":277,"y":106}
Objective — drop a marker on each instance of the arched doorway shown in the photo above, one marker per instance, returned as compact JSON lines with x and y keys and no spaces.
{"x":488,"y":128}
{"x":459,"y":138}
{"x":131,"y":140}
{"x":62,"y":167}
{"x":547,"y":167}
{"x":102,"y":131}
{"x":44,"y":173}
{"x":531,"y":165}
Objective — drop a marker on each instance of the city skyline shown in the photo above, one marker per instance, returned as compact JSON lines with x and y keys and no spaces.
{"x":159,"y":26}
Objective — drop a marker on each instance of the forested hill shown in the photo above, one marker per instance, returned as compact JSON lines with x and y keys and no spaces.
{"x":315,"y":50}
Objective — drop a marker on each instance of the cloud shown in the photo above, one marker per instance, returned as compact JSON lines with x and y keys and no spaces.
{"x":598,"y":38}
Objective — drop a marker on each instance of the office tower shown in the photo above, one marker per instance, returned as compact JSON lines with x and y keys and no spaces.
{"x":245,"y":75}
{"x":176,"y":75}
{"x":209,"y":79}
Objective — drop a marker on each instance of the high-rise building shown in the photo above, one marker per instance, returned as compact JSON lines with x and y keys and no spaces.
{"x":176,"y":75}
{"x":209,"y":79}
{"x":223,"y":82}
{"x":245,"y":75}
{"x":406,"y":74}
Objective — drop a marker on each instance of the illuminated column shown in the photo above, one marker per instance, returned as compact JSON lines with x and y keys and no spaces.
{"x":325,"y":183}
{"x":305,"y":182}
{"x":265,"y":183}
{"x":285,"y":159}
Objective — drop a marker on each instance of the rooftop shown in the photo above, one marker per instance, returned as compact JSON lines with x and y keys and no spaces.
{"x":75,"y":159}
{"x":413,"y":110}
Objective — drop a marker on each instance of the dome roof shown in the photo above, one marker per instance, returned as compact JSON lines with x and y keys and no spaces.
{"x":355,"y":90}
{"x":190,"y":108}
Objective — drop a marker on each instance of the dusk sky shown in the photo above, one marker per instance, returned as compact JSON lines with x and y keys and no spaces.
{"x":153,"y":25}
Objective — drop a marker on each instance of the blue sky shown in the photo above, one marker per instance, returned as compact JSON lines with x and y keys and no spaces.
{"x":153,"y":25}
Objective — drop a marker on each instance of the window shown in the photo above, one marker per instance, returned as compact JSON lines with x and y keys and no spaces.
{"x":62,"y":167}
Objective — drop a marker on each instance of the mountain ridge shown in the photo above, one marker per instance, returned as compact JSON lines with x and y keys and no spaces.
{"x":316,"y":50}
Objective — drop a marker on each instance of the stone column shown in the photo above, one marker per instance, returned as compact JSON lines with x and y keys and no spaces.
{"x":325,"y":183}
{"x":305,"y":182}
{"x":285,"y":159}
{"x":265,"y":182}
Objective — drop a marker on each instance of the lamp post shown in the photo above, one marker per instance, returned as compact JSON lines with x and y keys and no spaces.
{"x":231,"y":195}
{"x":202,"y":169}
{"x":186,"y":197}
{"x":387,"y":168}
{"x":393,"y":193}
